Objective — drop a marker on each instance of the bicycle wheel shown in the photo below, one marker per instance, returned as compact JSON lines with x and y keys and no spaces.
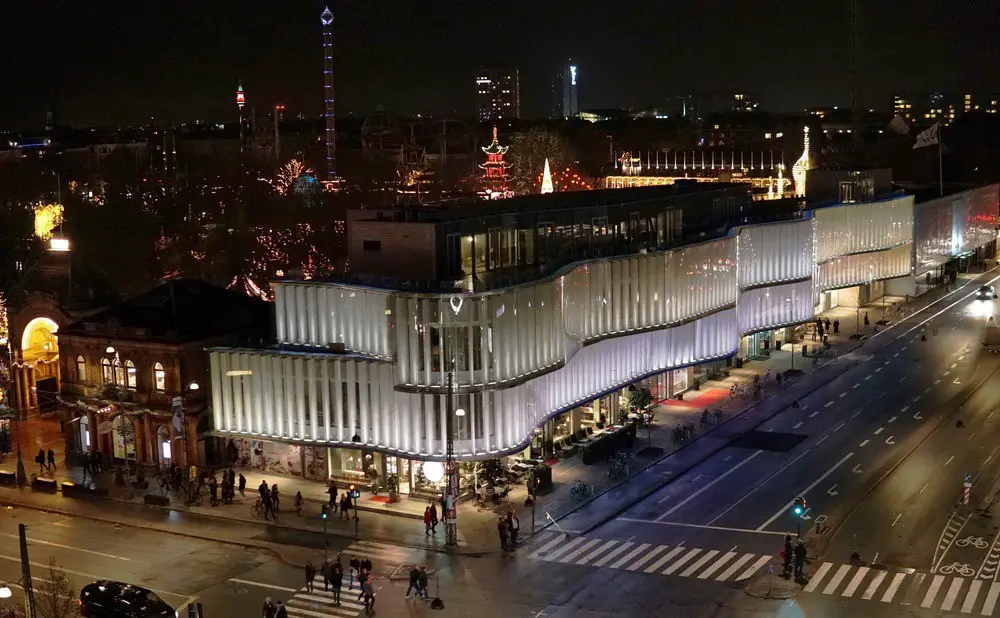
{"x":255,"y":511}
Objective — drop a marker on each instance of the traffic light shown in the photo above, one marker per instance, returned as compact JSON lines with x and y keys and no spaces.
{"x":323,"y":512}
{"x":799,"y":507}
{"x":353,"y":491}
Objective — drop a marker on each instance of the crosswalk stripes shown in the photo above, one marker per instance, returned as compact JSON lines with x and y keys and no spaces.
{"x":929,"y":591}
{"x":377,"y":552}
{"x":319,"y":603}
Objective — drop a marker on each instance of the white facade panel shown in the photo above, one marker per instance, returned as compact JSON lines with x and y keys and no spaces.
{"x":775,"y":306}
{"x":774,"y":253}
{"x":864,"y":268}
{"x":856,"y":228}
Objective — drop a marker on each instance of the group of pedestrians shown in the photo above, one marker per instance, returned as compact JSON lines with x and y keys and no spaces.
{"x":418,"y":582}
{"x":46,"y":463}
{"x":269,"y":499}
{"x":508,"y":527}
{"x":794,"y":558}
{"x":431,"y":519}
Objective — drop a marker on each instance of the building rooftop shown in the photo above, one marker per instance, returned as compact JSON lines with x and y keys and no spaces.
{"x":472,"y":209}
{"x":178,"y":311}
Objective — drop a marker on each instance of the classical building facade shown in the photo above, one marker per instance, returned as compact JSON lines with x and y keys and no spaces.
{"x":135,"y":376}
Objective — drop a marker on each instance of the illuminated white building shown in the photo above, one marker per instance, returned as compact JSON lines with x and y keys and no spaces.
{"x":373,"y":364}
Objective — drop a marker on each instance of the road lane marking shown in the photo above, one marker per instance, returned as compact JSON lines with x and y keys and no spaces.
{"x":707,"y":486}
{"x":991,"y":599}
{"x":34,"y":541}
{"x":43,"y":566}
{"x":949,"y":597}
{"x":632,"y":554}
{"x":844,"y":394}
{"x":856,"y":469}
{"x":856,"y":385}
{"x":758,"y":486}
{"x":728,"y":457}
{"x":890,"y":440}
{"x":953,"y":365}
{"x":916,"y":399}
{"x":756,"y":567}
{"x":797,"y":425}
{"x":597,"y":552}
{"x":927,"y":390}
{"x":923,"y":488}
{"x":638,"y":563}
{"x":904,"y":408}
{"x":863,"y":443}
{"x":879,"y":430}
{"x":247,"y":582}
{"x":699,"y":526}
{"x":938,"y":381}
{"x":873,"y":587}
{"x":878,"y":369}
{"x":838,"y":427}
{"x":547,"y":546}
{"x":817,"y":577}
{"x":725,"y":575}
{"x":565,"y":548}
{"x":896,"y":355}
{"x":970,"y":597}
{"x":837,"y":578}
{"x":868,"y":377}
{"x":855,"y":582}
{"x":814,"y":414}
{"x":949,"y":460}
{"x":946,"y":373}
{"x":683,"y":560}
{"x":820,"y":441}
{"x":716,"y":565}
{"x":895,"y":521}
{"x":893,"y":587}
{"x":784,"y":509}
{"x":856,"y":414}
{"x":886,"y":363}
{"x":891,"y":418}
{"x":612,"y":555}
{"x":828,"y":404}
{"x":699,"y":563}
{"x":666,"y":558}
{"x":932,"y":591}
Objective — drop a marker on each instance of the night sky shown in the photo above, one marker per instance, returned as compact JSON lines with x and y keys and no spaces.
{"x":122,"y":61}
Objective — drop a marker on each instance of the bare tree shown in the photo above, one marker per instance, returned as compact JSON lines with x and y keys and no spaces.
{"x":55,"y":596}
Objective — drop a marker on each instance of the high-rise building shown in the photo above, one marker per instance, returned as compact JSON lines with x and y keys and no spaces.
{"x":558,"y":79}
{"x":743,"y":102}
{"x":498,"y":93}
{"x":571,"y":100}
{"x":326,"y":18}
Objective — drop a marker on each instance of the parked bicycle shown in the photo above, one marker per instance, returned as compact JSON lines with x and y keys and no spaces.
{"x":619,"y":466}
{"x":581,"y":490}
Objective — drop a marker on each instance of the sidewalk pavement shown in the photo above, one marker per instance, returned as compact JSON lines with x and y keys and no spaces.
{"x":401,"y":523}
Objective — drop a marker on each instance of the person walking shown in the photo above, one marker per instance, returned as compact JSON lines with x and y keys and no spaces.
{"x":213,"y":490}
{"x":279,"y":610}
{"x":274,"y":497}
{"x":353,"y":565}
{"x":786,"y":556}
{"x":267,"y":505}
{"x":414,"y":581}
{"x":427,"y":521}
{"x":434,"y":518}
{"x":52,"y":460}
{"x":826,"y":324}
{"x":243,"y":486}
{"x":40,"y":460}
{"x":337,"y":579}
{"x":368,"y":594}
{"x":836,"y":327}
{"x":422,"y":582}
{"x":502,"y":531}
{"x":345,"y":505}
{"x":310,"y":575}
{"x":263,"y":490}
{"x":297,"y":501}
{"x":867,"y":323}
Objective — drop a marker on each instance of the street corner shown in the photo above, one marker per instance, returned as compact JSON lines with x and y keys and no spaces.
{"x":768,"y":586}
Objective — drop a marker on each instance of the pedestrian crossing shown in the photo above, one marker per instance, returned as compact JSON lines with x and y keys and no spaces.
{"x":944,"y":592}
{"x":680,"y":561}
{"x":378,"y":553}
{"x":320,"y":603}
{"x":927,"y":590}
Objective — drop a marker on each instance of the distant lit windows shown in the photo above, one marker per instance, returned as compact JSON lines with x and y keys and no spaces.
{"x":81,"y":369}
{"x":159,"y":378}
{"x":107,"y":375}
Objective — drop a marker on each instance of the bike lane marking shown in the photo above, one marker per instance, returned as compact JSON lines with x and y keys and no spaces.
{"x":707,"y":486}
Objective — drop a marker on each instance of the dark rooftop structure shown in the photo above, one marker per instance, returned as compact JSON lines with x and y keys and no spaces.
{"x":180,"y":311}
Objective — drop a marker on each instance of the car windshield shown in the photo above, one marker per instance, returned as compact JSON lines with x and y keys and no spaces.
{"x":985,"y":289}
{"x":141,"y":597}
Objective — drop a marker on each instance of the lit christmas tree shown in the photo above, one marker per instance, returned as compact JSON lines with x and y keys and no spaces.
{"x":494,"y":178}
{"x":547,"y":178}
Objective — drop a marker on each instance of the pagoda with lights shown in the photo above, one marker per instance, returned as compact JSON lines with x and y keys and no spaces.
{"x":494,"y":178}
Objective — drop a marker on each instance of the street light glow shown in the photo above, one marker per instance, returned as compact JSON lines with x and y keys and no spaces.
{"x":460,"y":412}
{"x":5,"y":592}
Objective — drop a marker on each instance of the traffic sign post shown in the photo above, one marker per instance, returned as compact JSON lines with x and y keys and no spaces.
{"x":966,"y":490}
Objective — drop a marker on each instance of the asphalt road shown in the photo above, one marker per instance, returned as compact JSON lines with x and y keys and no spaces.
{"x":875,"y":453}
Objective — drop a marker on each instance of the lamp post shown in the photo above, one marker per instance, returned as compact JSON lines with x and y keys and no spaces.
{"x":451,"y":470}
{"x":9,"y":400}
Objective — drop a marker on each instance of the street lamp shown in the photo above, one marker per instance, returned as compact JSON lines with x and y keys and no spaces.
{"x":193,"y":386}
{"x":110,"y":350}
{"x":5,"y":592}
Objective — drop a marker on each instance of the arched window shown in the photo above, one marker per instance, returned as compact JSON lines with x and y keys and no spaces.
{"x":81,"y":369}
{"x":130,"y":375}
{"x":119,"y":372}
{"x":159,"y":378}
{"x":107,"y":376}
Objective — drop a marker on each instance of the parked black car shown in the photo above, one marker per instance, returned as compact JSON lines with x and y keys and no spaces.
{"x":109,"y":599}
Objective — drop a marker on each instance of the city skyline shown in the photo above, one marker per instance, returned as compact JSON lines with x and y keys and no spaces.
{"x":176,"y":65}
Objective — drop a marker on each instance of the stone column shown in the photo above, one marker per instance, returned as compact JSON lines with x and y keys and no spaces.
{"x":23,"y":399}
{"x":147,"y":430}
{"x":191,"y":439}
{"x":32,"y":388}
{"x":92,"y":422}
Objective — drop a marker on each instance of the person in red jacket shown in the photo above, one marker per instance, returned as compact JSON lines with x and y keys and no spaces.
{"x":427,"y":520}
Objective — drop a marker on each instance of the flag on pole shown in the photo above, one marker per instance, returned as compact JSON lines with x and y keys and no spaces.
{"x":898,"y":125}
{"x":928,"y":137}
